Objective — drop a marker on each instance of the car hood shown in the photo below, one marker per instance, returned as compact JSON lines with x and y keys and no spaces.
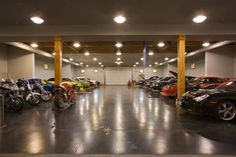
{"x":202,"y":92}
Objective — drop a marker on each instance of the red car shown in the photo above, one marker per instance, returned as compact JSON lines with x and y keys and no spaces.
{"x":197,"y":83}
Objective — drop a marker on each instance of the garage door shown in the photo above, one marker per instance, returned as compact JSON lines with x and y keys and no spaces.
{"x":115,"y":77}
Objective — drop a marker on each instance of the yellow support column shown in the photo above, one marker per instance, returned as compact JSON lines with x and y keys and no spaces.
{"x":181,"y":65}
{"x":58,"y":59}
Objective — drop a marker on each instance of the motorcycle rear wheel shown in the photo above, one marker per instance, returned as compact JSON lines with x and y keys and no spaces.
{"x":59,"y":101}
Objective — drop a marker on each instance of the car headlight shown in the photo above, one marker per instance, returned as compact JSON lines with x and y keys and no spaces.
{"x":201,"y":98}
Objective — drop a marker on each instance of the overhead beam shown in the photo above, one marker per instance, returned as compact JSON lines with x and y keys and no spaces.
{"x":58,"y":59}
{"x":181,"y":65}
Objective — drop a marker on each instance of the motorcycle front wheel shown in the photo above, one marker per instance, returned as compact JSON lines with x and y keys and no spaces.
{"x":34,"y":100}
{"x":60,"y":102}
{"x":16,"y":104}
{"x":46,"y":96}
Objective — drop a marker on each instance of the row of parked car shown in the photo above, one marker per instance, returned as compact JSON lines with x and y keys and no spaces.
{"x":206,"y":95}
{"x":35,"y":90}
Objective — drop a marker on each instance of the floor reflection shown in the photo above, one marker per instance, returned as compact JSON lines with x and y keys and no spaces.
{"x":119,"y":120}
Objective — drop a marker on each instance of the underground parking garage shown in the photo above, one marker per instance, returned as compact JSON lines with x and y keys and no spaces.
{"x":85,"y":78}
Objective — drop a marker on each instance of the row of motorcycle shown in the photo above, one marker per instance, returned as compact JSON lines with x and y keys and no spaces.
{"x":31,"y":91}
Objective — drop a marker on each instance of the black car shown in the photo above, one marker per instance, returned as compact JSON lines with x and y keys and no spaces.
{"x":220,"y":102}
{"x":158,"y":85}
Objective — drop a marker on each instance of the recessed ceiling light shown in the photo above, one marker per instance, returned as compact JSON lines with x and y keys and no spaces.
{"x":118,"y":53}
{"x":150,"y":53}
{"x":76,"y":45}
{"x":82,"y":71}
{"x":161,"y":44}
{"x":141,"y":59}
{"x":87,"y":65}
{"x":150,"y":65}
{"x":37,"y":20}
{"x":87,"y":53}
{"x":199,"y":19}
{"x":77,"y":64}
{"x":119,"y":19}
{"x":141,"y":70}
{"x":206,"y":44}
{"x":166,"y":59}
{"x":156,"y":63}
{"x":119,"y":45}
{"x":118,"y":59}
{"x":154,"y":70}
{"x":81,"y":63}
{"x":134,"y":65}
{"x":34,"y":45}
{"x":137,"y":63}
{"x":53,"y":53}
{"x":100,"y":63}
{"x":95,"y":59}
{"x":95,"y":70}
{"x":71,"y":59}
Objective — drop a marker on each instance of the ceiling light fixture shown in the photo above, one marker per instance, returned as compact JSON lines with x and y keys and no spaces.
{"x":141,"y":59}
{"x":77,"y":64}
{"x":118,"y":59}
{"x":118,"y":53}
{"x":34,"y":45}
{"x":141,"y":70}
{"x":161,"y":44}
{"x":150,"y":53}
{"x":95,"y":70}
{"x":76,"y":45}
{"x":166,"y":59}
{"x":156,"y":63}
{"x":137,"y":63}
{"x":87,"y":53}
{"x":206,"y":44}
{"x":53,"y":53}
{"x":199,"y":19}
{"x":81,"y":63}
{"x":37,"y":20}
{"x":150,"y":65}
{"x":134,"y":65}
{"x":87,"y":65}
{"x":82,"y":71}
{"x":95,"y":59}
{"x":119,"y":45}
{"x":100,"y":63}
{"x":119,"y":19}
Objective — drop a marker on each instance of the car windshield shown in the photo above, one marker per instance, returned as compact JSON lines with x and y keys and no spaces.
{"x":228,"y":86}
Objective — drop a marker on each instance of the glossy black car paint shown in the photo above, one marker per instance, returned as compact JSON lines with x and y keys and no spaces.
{"x":208,"y":105}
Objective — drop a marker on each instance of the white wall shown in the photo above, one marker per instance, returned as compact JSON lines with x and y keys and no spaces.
{"x":40,"y":72}
{"x":3,"y":58}
{"x":199,"y":62}
{"x":220,"y":62}
{"x":20,"y":63}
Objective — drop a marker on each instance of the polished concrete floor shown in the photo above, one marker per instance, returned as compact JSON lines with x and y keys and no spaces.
{"x":116,"y":120}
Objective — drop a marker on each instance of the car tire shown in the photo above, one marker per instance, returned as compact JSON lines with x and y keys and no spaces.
{"x":225,"y":110}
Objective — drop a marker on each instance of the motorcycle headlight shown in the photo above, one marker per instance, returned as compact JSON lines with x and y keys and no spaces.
{"x":201,"y":98}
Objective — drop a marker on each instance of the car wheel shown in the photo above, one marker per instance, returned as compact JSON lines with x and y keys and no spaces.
{"x":226,"y":110}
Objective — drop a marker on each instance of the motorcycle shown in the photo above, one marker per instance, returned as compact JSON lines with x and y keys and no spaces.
{"x":64,"y":96}
{"x":10,"y":92}
{"x":38,"y":88}
{"x":31,"y":97}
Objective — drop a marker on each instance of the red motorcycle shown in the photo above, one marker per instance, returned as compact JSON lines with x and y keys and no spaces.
{"x":64,"y":96}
